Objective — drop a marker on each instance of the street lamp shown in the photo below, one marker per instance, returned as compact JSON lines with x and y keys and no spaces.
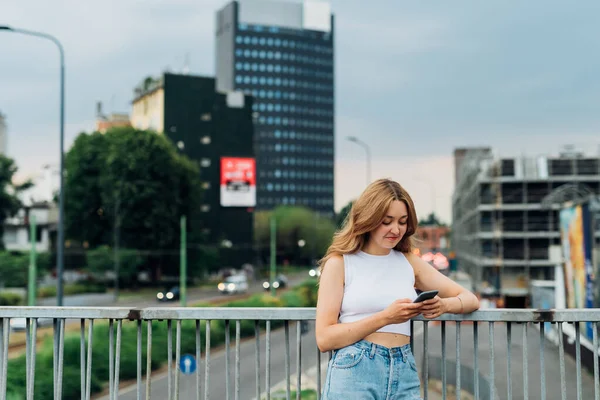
{"x":61,"y":208}
{"x":365,"y":146}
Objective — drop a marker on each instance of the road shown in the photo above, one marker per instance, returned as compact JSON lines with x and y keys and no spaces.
{"x":193,"y":295}
{"x":217,"y":375}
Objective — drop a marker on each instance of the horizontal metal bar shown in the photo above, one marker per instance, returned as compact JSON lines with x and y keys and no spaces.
{"x":294,"y":313}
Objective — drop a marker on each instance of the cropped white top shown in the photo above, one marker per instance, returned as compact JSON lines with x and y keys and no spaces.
{"x":372,"y":283}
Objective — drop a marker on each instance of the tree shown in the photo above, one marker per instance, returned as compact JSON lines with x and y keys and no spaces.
{"x":340,"y":217}
{"x":302,"y":234}
{"x":431,"y":219}
{"x":131,"y":183}
{"x":9,"y":192}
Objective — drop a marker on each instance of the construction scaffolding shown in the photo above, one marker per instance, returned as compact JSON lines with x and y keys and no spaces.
{"x":501,"y":230}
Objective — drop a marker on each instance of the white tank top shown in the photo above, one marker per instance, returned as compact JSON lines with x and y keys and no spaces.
{"x":372,"y":283}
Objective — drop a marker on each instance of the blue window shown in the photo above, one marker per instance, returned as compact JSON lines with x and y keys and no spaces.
{"x":239,"y":52}
{"x":242,"y":27}
{"x":239,"y":39}
{"x":247,"y":39}
{"x":277,"y":134}
{"x":258,"y":28}
{"x":270,"y":120}
{"x":262,"y":80}
{"x":270,"y":81}
{"x":247,"y":53}
{"x":239,"y":66}
{"x":254,"y":80}
{"x":262,"y":41}
{"x":254,"y":40}
{"x":270,"y":68}
{"x":277,"y":107}
{"x":277,"y":81}
{"x":270,"y":42}
{"x":262,"y":93}
{"x":254,"y":53}
{"x":270,"y":187}
{"x":277,"y":68}
{"x":285,"y":43}
{"x":274,"y":29}
{"x":246,"y":79}
{"x":262,"y":54}
{"x":262,"y":107}
{"x":238,"y":79}
{"x":277,"y":42}
{"x":270,"y":55}
{"x":263,"y":67}
{"x":270,"y":107}
{"x":254,"y":67}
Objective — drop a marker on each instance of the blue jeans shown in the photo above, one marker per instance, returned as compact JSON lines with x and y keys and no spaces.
{"x":366,"y":370}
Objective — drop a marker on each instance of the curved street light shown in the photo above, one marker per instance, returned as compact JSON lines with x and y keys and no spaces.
{"x":61,"y":210}
{"x":365,"y":146}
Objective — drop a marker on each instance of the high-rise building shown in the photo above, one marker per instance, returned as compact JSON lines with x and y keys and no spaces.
{"x":211,"y":128}
{"x":502,"y":229}
{"x":3,"y":134}
{"x":282,"y":53}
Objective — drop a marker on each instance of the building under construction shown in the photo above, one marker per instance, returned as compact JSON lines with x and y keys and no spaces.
{"x":506,"y":216}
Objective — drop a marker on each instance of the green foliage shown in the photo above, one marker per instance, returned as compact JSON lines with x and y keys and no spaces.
{"x":294,"y":224}
{"x":9,"y":201}
{"x":71,"y":289}
{"x":101,"y":259}
{"x":14,"y":267}
{"x":340,"y":217}
{"x":10,"y":299}
{"x":134,"y":180}
{"x":431,"y":219}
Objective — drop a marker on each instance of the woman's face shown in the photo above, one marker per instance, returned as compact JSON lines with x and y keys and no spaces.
{"x":393,"y":227}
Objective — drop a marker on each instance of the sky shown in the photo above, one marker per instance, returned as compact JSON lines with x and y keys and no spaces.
{"x":413,"y":79}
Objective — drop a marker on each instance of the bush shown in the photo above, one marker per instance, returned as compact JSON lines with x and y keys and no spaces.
{"x":71,"y":289}
{"x":10,"y":299}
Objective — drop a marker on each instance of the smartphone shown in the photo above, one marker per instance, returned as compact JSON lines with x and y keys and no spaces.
{"x":426,"y":296}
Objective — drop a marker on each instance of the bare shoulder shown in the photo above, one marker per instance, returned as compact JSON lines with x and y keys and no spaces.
{"x":334,"y":267}
{"x":414,"y":260}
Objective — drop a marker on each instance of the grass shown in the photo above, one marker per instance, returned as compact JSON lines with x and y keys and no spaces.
{"x":306,"y":394}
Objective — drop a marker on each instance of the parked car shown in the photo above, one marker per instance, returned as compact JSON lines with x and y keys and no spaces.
{"x":280,"y":282}
{"x":233,"y":284}
{"x":172,"y":294}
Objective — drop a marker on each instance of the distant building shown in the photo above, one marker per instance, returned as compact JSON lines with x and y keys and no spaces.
{"x":216,"y":130}
{"x":113,"y":120}
{"x":432,"y":238}
{"x":3,"y":134}
{"x":17,"y":229}
{"x":501,"y":232}
{"x":282,"y":53}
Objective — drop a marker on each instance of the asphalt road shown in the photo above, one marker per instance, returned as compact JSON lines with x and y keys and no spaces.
{"x":193,"y":295}
{"x":247,"y":380}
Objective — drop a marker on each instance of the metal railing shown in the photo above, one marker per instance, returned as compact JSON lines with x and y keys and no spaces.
{"x":523,"y":353}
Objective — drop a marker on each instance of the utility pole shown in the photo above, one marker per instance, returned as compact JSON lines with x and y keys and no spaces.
{"x":32,"y":261}
{"x":183,"y":262}
{"x":273,"y":253}
{"x":116,"y":238}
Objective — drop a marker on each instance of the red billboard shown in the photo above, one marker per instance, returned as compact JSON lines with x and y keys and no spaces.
{"x":238,"y":182}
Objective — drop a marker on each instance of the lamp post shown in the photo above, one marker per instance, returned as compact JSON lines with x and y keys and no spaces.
{"x":61,"y":210}
{"x":365,"y":146}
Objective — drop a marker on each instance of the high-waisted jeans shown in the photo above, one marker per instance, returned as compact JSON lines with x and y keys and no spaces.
{"x":366,"y":370}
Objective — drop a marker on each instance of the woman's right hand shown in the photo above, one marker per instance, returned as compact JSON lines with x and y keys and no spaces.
{"x":402,"y":310}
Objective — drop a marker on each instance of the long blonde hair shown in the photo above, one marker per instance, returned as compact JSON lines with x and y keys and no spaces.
{"x":366,"y":214}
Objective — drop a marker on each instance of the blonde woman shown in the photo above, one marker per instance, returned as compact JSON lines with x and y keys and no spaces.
{"x":366,"y":293}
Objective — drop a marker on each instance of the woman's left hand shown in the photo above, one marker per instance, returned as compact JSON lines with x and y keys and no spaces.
{"x":433,"y":308}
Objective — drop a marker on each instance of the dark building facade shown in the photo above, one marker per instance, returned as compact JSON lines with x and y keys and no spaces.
{"x":282,"y":53}
{"x":205,"y":125}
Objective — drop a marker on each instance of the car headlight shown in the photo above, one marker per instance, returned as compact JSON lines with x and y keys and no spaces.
{"x":231,"y":286}
{"x":221,"y":286}
{"x":160,"y":296}
{"x":266,"y":285}
{"x":312,"y":272}
{"x":275,"y":285}
{"x":169,"y":295}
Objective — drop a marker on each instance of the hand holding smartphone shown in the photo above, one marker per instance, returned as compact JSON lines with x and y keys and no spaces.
{"x":428,"y":295}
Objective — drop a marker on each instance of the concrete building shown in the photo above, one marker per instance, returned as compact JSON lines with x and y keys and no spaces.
{"x":17,"y":229}
{"x":282,"y":53}
{"x":3,"y":134}
{"x":113,"y":120}
{"x":501,"y":231}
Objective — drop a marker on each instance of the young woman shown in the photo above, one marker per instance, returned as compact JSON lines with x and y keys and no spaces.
{"x":366,"y":292}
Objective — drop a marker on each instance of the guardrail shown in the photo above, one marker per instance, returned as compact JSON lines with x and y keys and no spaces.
{"x":488,"y":364}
